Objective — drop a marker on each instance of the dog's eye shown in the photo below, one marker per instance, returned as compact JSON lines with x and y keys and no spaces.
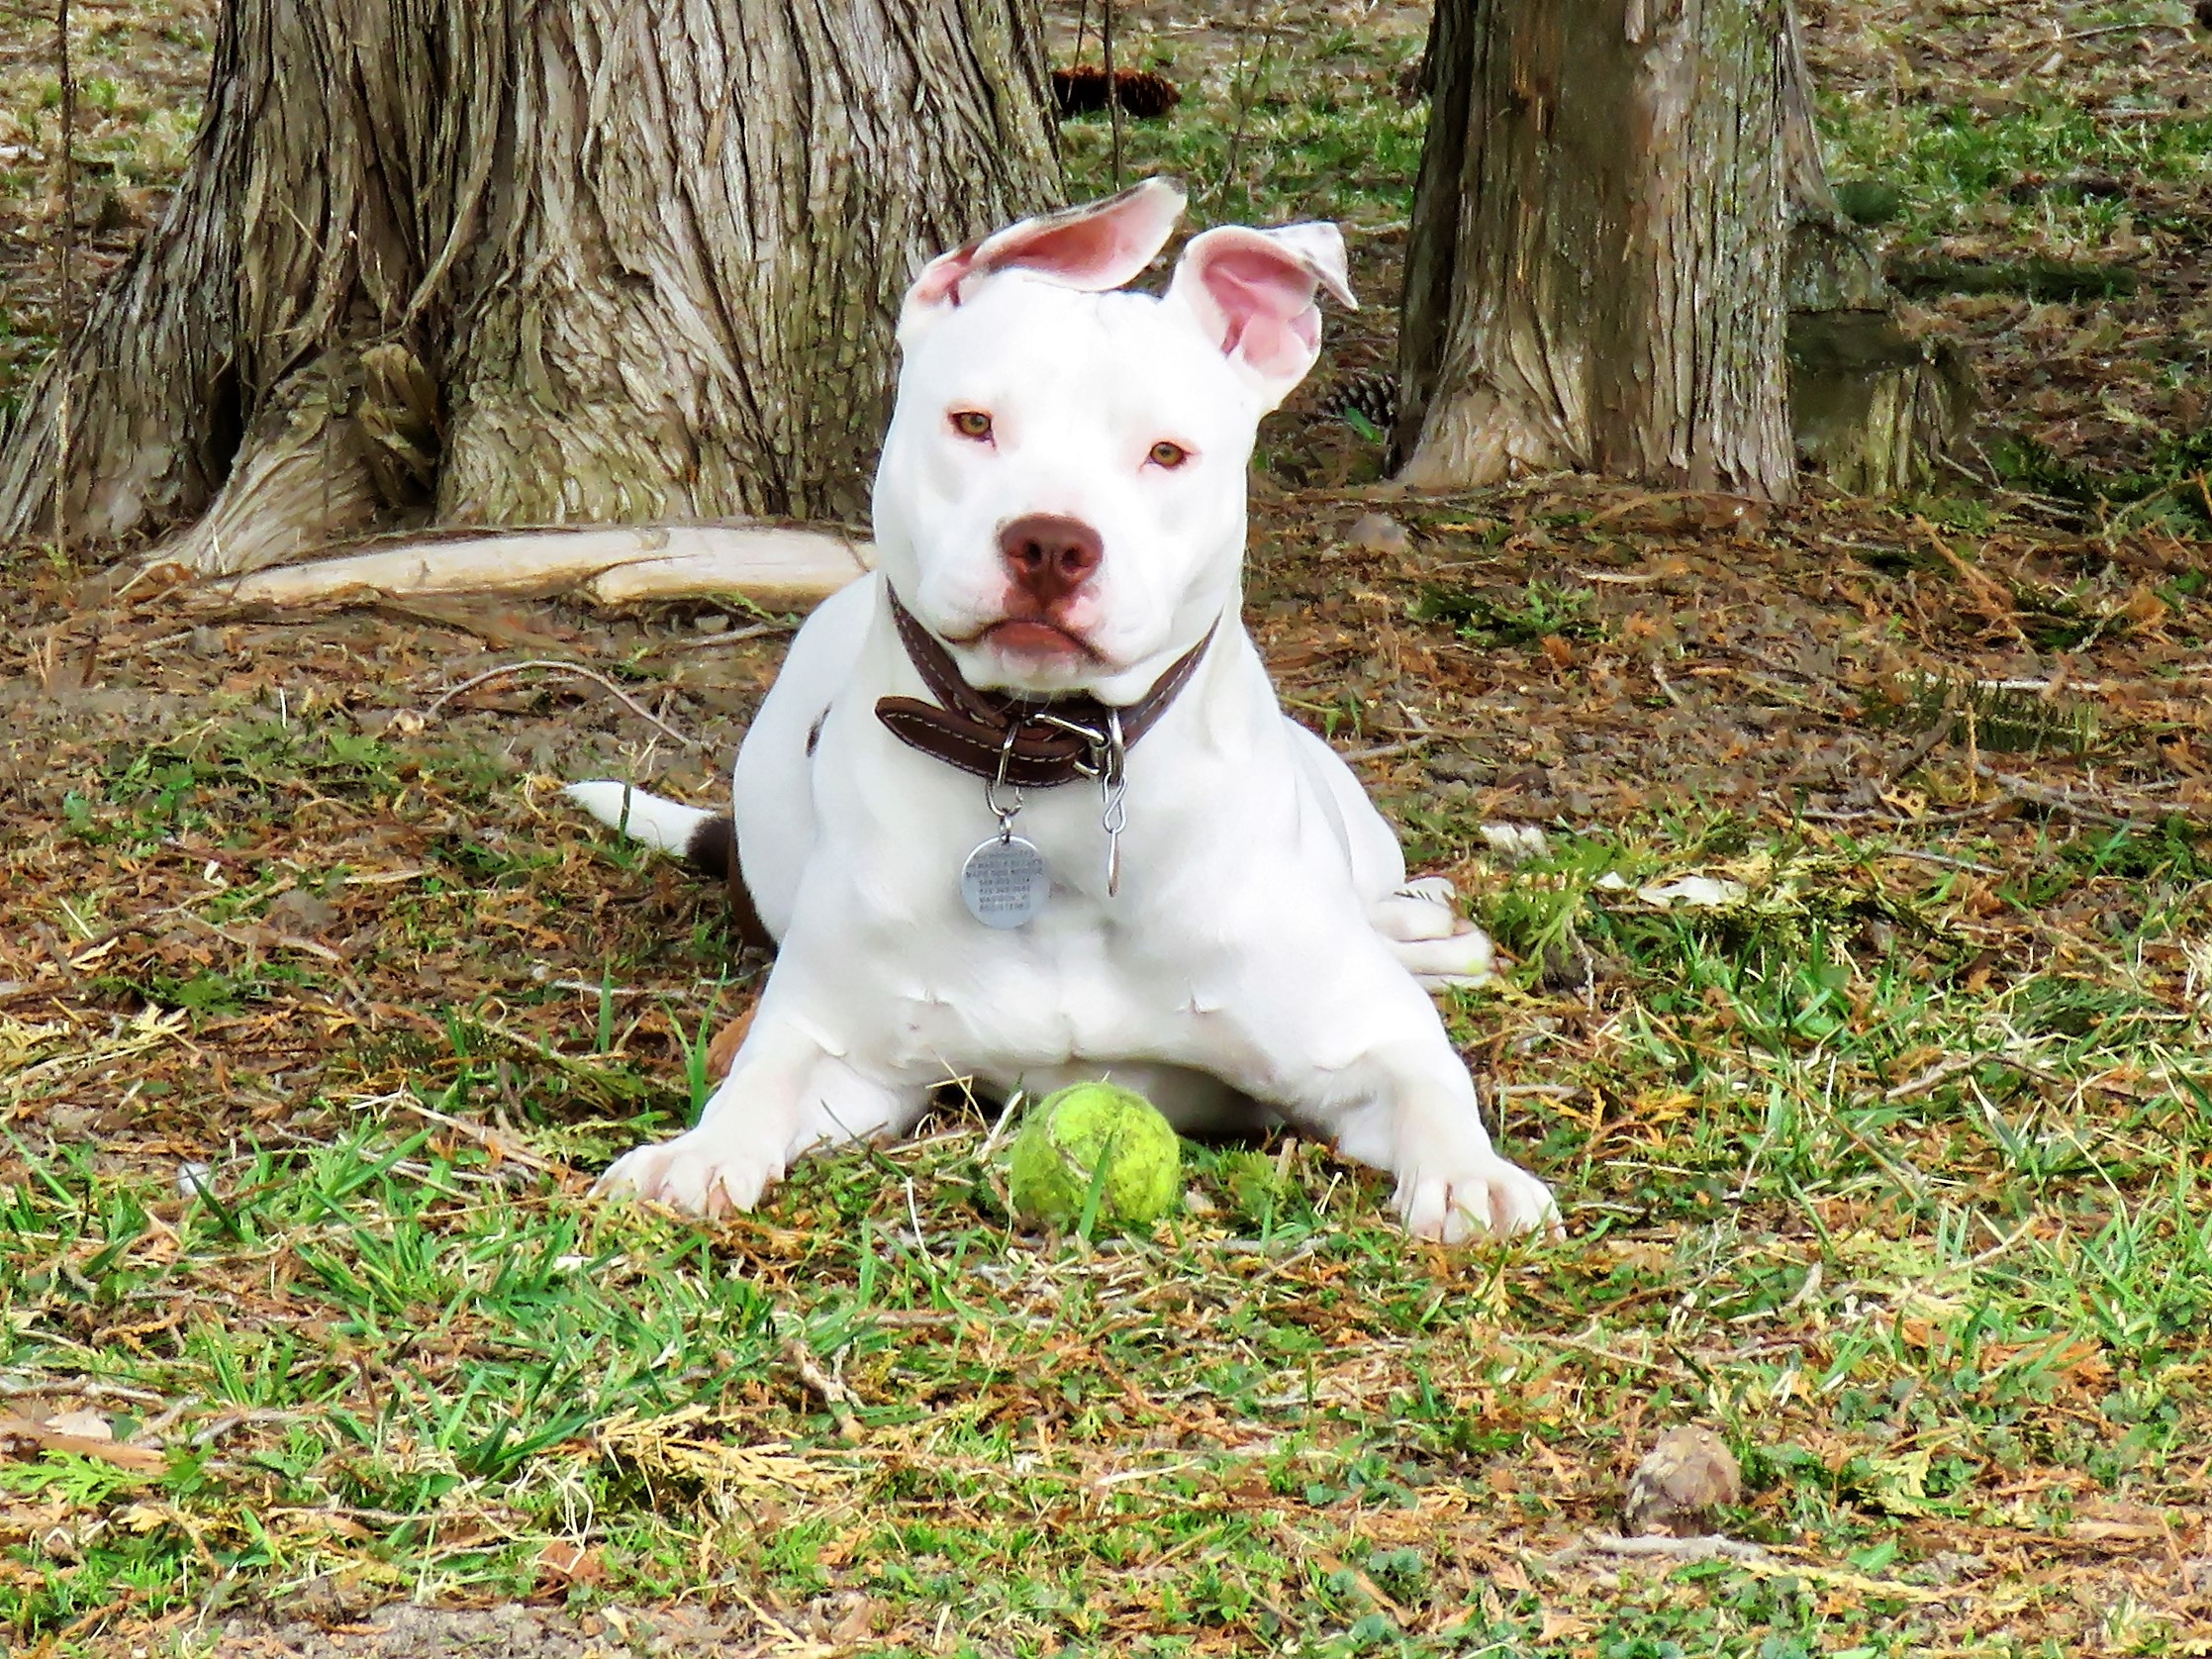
{"x":1169,"y":456}
{"x":971,"y":423}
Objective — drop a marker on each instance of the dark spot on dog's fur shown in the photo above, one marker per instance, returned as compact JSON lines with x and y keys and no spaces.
{"x":713,"y":848}
{"x":814,"y":731}
{"x":713,"y":851}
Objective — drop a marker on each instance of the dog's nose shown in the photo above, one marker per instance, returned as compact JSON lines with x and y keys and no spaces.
{"x":1049,"y":556}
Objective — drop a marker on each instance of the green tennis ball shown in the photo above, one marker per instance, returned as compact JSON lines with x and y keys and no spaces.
{"x":1065,"y":1138}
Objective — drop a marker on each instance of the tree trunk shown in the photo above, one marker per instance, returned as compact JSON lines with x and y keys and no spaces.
{"x":1594,"y":279}
{"x":534,"y":262}
{"x":1870,"y":405}
{"x":1625,"y":258}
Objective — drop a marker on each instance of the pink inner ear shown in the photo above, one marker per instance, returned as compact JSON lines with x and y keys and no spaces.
{"x":1267,"y":301}
{"x":940,"y":278}
{"x":1080,"y":253}
{"x":1093,"y":248}
{"x":1089,"y":253}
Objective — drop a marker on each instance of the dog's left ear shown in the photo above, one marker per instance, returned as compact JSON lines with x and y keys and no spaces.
{"x":1095,"y":247}
{"x":1253,"y":292}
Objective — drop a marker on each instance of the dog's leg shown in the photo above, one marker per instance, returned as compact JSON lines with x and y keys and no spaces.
{"x":785,"y":1096}
{"x":1355,"y":1052}
{"x":1419,"y":919}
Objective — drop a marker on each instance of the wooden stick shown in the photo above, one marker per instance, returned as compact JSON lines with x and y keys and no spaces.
{"x":833,"y":1393}
{"x":1658,"y":1546}
{"x":18,"y":1431}
{"x":574,"y":669}
{"x":774,"y":567}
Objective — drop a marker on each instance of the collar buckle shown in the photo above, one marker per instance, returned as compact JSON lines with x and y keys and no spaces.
{"x":1097,"y":746}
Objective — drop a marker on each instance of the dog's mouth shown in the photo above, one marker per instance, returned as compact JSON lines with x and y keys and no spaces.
{"x":1034,"y":640}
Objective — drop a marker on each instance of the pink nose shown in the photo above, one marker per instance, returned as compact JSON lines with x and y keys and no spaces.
{"x":1049,"y":556}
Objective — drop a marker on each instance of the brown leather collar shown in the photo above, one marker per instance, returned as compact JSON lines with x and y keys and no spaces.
{"x":1055,"y":740}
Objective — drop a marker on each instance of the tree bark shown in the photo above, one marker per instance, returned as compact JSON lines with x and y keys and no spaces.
{"x":1594,"y":277}
{"x":1871,"y":404}
{"x":1625,"y":258}
{"x":532,"y":262}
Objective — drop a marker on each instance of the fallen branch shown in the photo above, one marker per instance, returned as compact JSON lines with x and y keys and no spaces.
{"x":2099,"y":809}
{"x":833,"y":1393}
{"x":572,"y":668}
{"x":1386,"y":750}
{"x":1707,"y":1547}
{"x":1945,"y":1070}
{"x":1760,"y":1563}
{"x":499,"y":1145}
{"x":734,"y":636}
{"x":773,"y":567}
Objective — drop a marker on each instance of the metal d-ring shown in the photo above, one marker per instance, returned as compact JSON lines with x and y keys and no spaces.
{"x":1095,"y":744}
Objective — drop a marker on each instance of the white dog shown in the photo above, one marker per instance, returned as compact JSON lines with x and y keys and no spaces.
{"x":1022,"y":806}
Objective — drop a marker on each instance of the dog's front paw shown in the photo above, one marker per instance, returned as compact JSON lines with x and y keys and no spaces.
{"x":1488,"y":1195}
{"x":704,"y":1172}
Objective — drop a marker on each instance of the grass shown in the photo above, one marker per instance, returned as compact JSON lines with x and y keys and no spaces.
{"x":1299,"y":143}
{"x":139,"y":73}
{"x":1932,"y":1254}
{"x":1887,"y":1164}
{"x":2043,"y":170}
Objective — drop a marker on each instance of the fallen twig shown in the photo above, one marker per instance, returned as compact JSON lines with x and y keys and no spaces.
{"x":1705,"y":1547}
{"x":492,"y":1141}
{"x":577,"y":669}
{"x":1957,"y":1063}
{"x":2065,"y":800}
{"x":835,"y":1394}
{"x":1752,"y":1558}
{"x":736,"y":636}
{"x":1383,"y":752}
{"x":141,"y":1459}
{"x":1921,"y":750}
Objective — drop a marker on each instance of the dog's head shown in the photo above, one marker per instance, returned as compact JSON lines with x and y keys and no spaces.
{"x":1061,"y":495}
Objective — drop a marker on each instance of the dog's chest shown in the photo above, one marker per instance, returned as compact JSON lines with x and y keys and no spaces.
{"x":1088,"y":976}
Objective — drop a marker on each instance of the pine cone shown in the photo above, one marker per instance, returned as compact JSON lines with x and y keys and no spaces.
{"x":1081,"y":90}
{"x":1145,"y":94}
{"x":1372,"y":396}
{"x":1683,"y":1478}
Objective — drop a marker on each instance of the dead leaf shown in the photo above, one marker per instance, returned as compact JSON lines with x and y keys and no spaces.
{"x":857,"y":1626}
{"x":722,"y":1053}
{"x":87,"y":1424}
{"x":19,"y":1433}
{"x":571,"y":1563}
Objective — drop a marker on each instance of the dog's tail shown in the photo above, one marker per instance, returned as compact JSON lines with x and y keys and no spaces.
{"x":707,"y":842}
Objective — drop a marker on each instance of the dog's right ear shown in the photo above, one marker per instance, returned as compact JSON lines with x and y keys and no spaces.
{"x":1253,"y":293}
{"x":1093,"y":248}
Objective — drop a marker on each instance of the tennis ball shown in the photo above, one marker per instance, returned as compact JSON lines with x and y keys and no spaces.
{"x":1068,"y":1136}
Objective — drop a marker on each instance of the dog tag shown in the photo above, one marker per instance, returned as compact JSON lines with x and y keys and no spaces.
{"x":1005,"y":882}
